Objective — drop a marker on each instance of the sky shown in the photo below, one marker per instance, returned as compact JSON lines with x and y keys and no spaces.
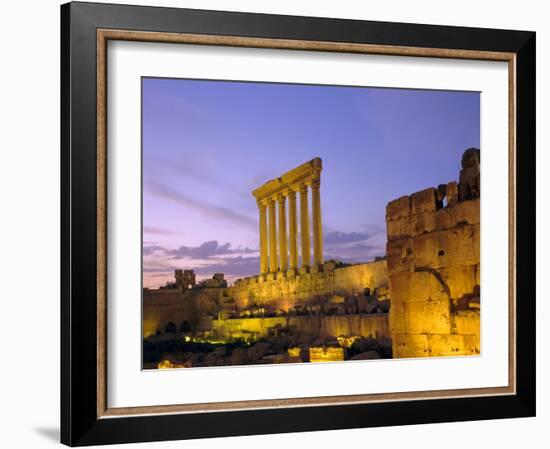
{"x":207,"y":144}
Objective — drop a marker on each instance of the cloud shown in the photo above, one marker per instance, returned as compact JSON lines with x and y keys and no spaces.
{"x":208,"y":210}
{"x":157,"y":231}
{"x":157,"y":270}
{"x":149,"y":250}
{"x":338,"y":238}
{"x":234,"y":267}
{"x":207,"y":250}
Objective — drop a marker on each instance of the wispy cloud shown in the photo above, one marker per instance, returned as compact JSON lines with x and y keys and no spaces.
{"x":157,"y":231}
{"x":208,"y":210}
{"x":338,"y":238}
{"x":205,"y":250}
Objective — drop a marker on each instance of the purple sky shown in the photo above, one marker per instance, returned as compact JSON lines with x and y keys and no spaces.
{"x":208,"y":144}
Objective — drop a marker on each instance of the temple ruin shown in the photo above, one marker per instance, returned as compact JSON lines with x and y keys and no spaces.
{"x":273,"y":195}
{"x":422,"y":299}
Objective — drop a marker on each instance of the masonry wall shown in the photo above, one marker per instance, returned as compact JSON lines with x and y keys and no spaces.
{"x":434,"y":277}
{"x":375,"y":326}
{"x":284,"y":292}
{"x":174,"y":305}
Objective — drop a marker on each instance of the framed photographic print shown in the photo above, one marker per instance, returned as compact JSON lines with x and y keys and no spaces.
{"x":277,"y":224}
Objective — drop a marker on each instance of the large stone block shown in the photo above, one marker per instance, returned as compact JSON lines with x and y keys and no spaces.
{"x":424,"y":222}
{"x":472,"y":344}
{"x":453,"y":345}
{"x":460,"y":245}
{"x":452,"y":193}
{"x":400,"y":228}
{"x":399,"y":208}
{"x":423,"y":317}
{"x":409,"y":346}
{"x":466,"y":322}
{"x":467,"y":212}
{"x":445,"y":345}
{"x":444,"y":218}
{"x":434,"y":345}
{"x":461,"y":279}
{"x":322,"y":354}
{"x":426,"y":250}
{"x":417,"y":287}
{"x":399,"y":256}
{"x":424,"y":201}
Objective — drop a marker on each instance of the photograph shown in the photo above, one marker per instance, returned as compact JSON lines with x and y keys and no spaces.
{"x":305,"y":223}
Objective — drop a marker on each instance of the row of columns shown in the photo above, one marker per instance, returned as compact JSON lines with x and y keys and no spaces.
{"x":274,"y":241}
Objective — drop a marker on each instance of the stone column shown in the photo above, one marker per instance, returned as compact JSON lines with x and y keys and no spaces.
{"x":273,"y":264}
{"x":304,"y":226}
{"x":292,"y":229}
{"x":317,"y":227}
{"x":263,"y":239}
{"x":283,"y":251}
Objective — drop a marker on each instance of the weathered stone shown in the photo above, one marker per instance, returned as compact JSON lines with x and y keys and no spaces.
{"x":185,"y":279}
{"x":422,"y":317}
{"x":294,"y":352}
{"x":238,"y":357}
{"x":371,"y":307}
{"x":474,"y":303}
{"x":369,"y":355}
{"x":213,"y":358}
{"x":326,"y":354}
{"x":466,"y":322}
{"x":221,"y":351}
{"x":400,"y":228}
{"x":257,"y":351}
{"x":433,"y":268}
{"x":406,"y":345}
{"x":452,"y":193}
{"x":471,"y":158}
{"x":417,"y":287}
{"x":423,"y":201}
{"x":399,"y":208}
{"x":469,"y":182}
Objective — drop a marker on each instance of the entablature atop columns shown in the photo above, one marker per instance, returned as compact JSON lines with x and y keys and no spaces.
{"x":307,"y":174}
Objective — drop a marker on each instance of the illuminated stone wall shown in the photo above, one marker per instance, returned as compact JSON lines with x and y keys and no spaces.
{"x":433,"y":269}
{"x":326,"y":354}
{"x":375,"y":326}
{"x":175,"y":305}
{"x":284,"y":292}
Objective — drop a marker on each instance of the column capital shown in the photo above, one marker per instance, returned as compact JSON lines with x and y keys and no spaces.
{"x":291,"y":193}
{"x":262,"y":204}
{"x":303,"y":189}
{"x":281,"y":197}
{"x":316,"y":183}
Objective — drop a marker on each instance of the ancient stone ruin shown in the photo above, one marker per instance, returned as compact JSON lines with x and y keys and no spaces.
{"x":433,"y":267}
{"x":421,"y":300}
